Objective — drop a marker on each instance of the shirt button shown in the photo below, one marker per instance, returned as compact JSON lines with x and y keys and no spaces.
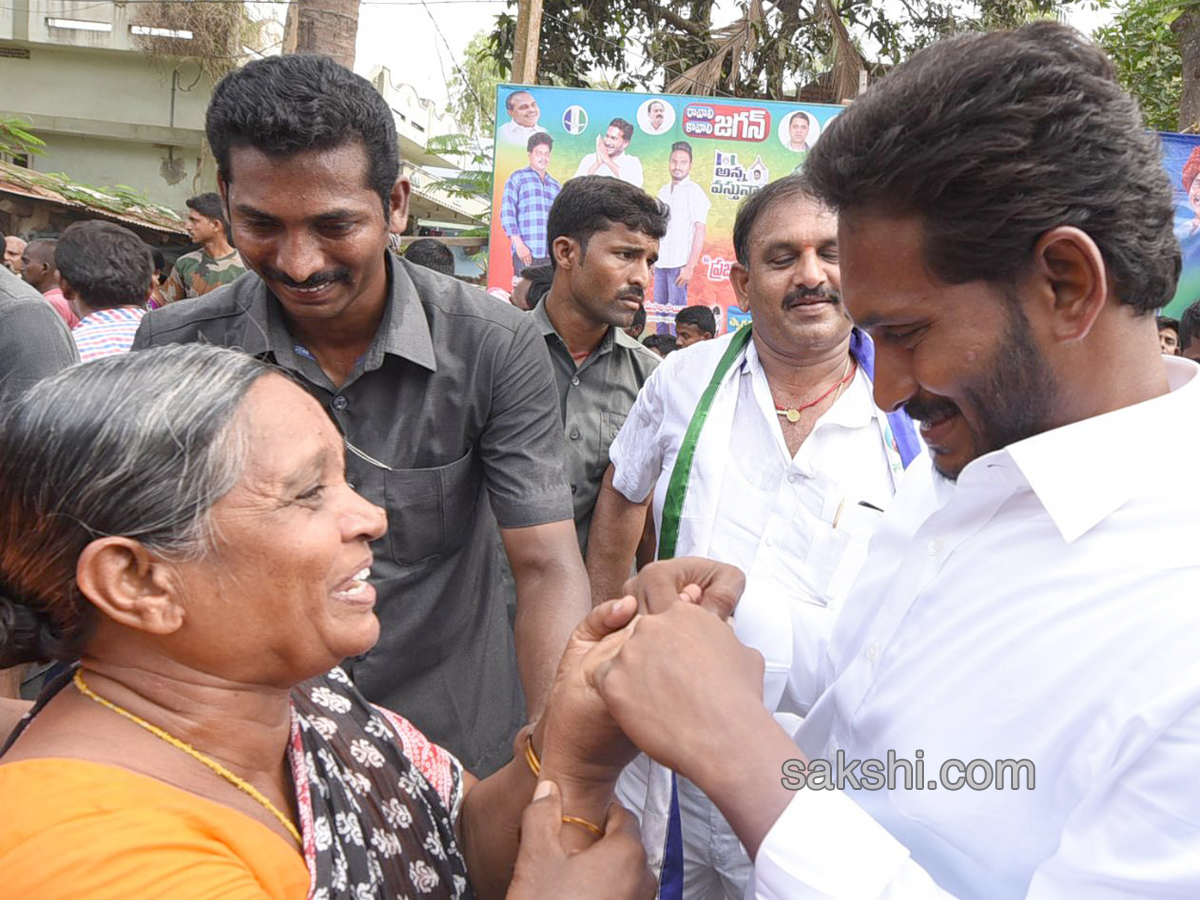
{"x":934,"y":547}
{"x":872,"y":652}
{"x":792,"y":479}
{"x":575,"y":380}
{"x":574,"y":488}
{"x":574,"y":434}
{"x":768,"y":542}
{"x":339,"y":402}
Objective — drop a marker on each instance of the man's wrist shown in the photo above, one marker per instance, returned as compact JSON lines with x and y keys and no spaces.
{"x":712,"y":751}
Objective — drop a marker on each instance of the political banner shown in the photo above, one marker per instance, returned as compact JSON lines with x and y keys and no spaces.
{"x":1181,"y":157}
{"x":700,"y":155}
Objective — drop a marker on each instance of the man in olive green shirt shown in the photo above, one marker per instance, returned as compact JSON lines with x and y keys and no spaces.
{"x":215,"y":263}
{"x":603,"y":236}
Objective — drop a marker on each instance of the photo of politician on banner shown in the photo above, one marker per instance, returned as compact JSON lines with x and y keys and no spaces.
{"x":699,"y":155}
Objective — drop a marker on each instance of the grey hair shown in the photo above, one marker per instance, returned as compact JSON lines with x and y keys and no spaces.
{"x":139,"y":445}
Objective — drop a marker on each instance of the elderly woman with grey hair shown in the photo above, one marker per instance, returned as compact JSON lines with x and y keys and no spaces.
{"x":177,"y":521}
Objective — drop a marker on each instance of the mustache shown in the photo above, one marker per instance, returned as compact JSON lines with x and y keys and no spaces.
{"x":930,"y":409}
{"x":804,"y":294}
{"x":633,"y":292}
{"x":318,"y":279}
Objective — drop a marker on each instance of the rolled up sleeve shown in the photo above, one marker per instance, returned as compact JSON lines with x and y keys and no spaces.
{"x":636,"y":452}
{"x":522,"y":443}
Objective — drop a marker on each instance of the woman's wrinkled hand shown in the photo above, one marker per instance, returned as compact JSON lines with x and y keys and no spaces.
{"x":677,"y":685}
{"x":614,"y":868}
{"x":580,"y":742}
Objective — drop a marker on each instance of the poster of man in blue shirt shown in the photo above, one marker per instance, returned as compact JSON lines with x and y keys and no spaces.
{"x":528,"y":194}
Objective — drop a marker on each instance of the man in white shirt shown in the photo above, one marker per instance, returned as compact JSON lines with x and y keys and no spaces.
{"x":798,"y":127}
{"x":1005,"y":230}
{"x":610,"y":158}
{"x":684,"y":241}
{"x":656,"y":117}
{"x":792,"y":471}
{"x":523,"y":115}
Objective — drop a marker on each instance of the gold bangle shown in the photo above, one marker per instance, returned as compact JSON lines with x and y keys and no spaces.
{"x":535,"y":764}
{"x":584,"y":823}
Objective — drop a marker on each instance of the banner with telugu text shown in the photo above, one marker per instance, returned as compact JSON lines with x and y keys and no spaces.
{"x":733,"y":147}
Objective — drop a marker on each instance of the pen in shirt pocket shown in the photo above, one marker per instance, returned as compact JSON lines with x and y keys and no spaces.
{"x":842,"y":505}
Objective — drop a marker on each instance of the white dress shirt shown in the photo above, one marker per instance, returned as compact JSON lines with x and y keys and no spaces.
{"x":1046,"y":607}
{"x":629,"y":168}
{"x":797,"y":526}
{"x":512,"y":133}
{"x":689,"y":204}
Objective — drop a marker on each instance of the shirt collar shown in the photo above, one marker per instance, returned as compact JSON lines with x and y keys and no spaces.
{"x":113,"y":314}
{"x":854,"y":409}
{"x":541,"y":319}
{"x":404,"y":331}
{"x":1083,"y":472}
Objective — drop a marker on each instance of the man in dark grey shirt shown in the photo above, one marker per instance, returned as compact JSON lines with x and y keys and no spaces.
{"x":603,"y":237}
{"x":445,"y":397}
{"x":34,"y":342}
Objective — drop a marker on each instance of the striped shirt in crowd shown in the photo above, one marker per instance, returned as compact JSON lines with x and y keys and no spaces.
{"x":106,"y":332}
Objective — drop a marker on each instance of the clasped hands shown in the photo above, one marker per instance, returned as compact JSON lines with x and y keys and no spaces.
{"x":656,"y":670}
{"x":651,"y":671}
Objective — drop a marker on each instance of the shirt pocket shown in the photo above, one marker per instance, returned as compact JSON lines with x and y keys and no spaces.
{"x":430,"y":511}
{"x":856,"y":524}
{"x":610,"y":426}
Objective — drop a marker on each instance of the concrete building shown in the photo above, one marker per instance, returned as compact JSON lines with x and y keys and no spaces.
{"x":417,"y":121}
{"x":110,"y":114}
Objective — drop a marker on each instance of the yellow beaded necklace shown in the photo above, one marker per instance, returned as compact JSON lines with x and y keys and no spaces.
{"x":191,"y":751}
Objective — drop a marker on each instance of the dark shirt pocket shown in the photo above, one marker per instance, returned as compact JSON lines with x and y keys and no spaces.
{"x":430,"y":510}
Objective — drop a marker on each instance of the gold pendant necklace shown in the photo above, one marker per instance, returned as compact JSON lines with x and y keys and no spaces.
{"x":239,"y":783}
{"x":792,"y":413}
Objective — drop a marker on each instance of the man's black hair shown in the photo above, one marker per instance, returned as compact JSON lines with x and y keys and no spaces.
{"x":160,"y":261}
{"x":682,"y":146}
{"x":210,"y":206}
{"x":592,"y":203}
{"x":538,"y":137}
{"x":1189,"y":326}
{"x":432,"y":254}
{"x":105,"y":264}
{"x":790,"y":187}
{"x":663,"y":342}
{"x":1166,"y":322}
{"x":991,"y":140}
{"x":701,"y":317}
{"x":624,"y":127}
{"x":540,"y":278}
{"x":42,"y":249}
{"x":284,"y":105}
